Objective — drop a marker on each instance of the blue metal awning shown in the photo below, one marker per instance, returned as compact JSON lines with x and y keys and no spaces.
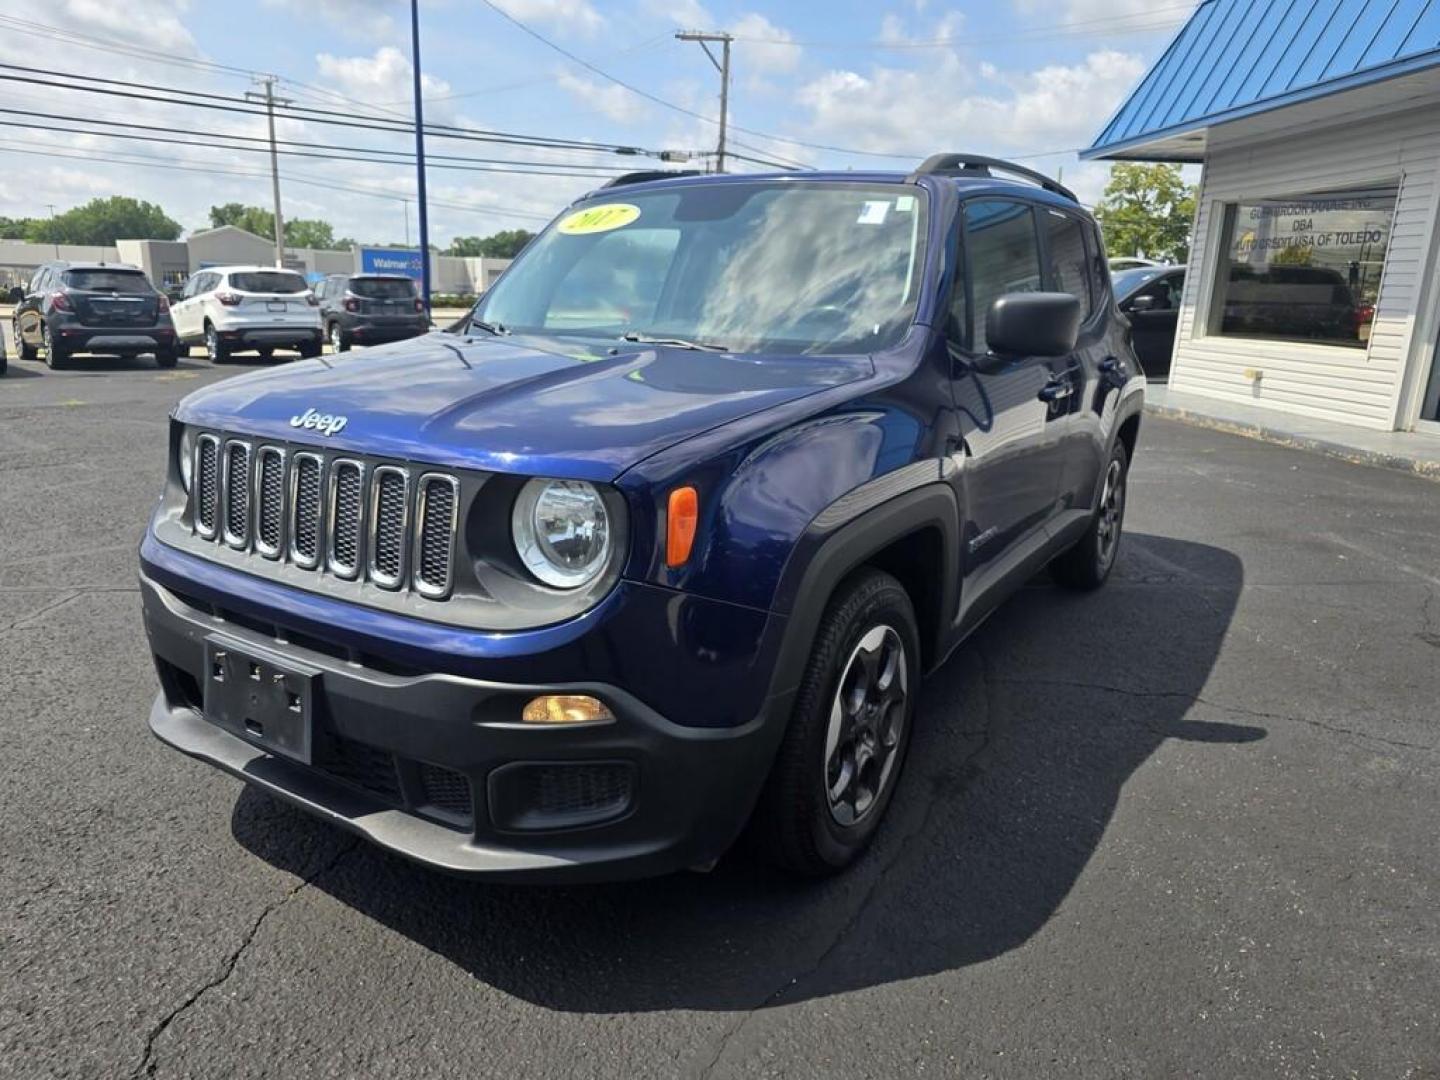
{"x":1237,"y":58}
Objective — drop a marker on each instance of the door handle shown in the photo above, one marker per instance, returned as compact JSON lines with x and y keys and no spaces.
{"x":1056,"y":390}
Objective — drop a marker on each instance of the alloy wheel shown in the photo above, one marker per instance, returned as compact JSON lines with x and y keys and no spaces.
{"x":212,"y":345}
{"x":1112,"y":509}
{"x":867,"y":723}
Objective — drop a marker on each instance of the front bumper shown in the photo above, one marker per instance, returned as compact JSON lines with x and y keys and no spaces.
{"x":677,"y":795}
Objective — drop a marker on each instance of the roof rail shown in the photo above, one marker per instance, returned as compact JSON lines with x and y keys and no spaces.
{"x":648,"y":174}
{"x":976,"y":165}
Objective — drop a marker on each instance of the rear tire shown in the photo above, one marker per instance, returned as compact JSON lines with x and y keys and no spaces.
{"x":4,"y":362}
{"x":165,"y":358}
{"x":266,"y":354}
{"x":339,"y":340}
{"x":843,"y":751}
{"x":55,"y":356}
{"x":310,"y":350}
{"x":1087,"y":565}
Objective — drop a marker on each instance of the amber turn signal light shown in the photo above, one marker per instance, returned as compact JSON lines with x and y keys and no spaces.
{"x":683,"y":515}
{"x":565,"y":709}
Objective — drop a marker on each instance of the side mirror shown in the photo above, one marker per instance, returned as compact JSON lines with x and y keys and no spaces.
{"x":16,"y":294}
{"x":1033,"y":324}
{"x":1142,"y":303}
{"x":174,"y":294}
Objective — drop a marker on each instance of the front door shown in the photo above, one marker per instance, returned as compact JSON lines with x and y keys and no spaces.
{"x":1012,"y":421}
{"x":1154,"y":320}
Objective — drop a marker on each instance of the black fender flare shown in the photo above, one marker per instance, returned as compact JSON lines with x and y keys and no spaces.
{"x":825,"y":557}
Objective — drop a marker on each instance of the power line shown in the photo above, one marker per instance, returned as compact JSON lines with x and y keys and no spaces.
{"x":9,"y":147}
{"x":403,"y":156}
{"x":224,"y":103}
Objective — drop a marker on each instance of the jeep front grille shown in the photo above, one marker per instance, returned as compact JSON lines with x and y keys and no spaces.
{"x":328,"y":514}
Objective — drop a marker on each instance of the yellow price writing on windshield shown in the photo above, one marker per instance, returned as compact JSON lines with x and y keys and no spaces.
{"x":597,"y":219}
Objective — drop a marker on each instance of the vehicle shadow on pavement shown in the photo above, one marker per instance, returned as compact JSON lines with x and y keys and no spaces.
{"x":1023,"y":744}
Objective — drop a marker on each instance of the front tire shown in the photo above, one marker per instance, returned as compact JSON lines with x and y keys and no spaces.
{"x":1087,"y":565}
{"x":842,"y":754}
{"x":214,"y":347}
{"x":23,"y":348}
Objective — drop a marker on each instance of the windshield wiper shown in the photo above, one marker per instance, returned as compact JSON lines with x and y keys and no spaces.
{"x":675,"y":343}
{"x":498,"y":329}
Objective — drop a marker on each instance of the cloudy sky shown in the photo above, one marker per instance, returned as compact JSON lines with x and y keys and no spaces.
{"x":840,"y":84}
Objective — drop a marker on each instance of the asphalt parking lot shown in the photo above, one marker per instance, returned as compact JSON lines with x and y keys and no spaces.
{"x":1187,"y":825}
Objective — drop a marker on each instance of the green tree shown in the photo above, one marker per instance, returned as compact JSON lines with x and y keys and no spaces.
{"x":103,"y":221}
{"x":15,"y":228}
{"x":1147,"y":210}
{"x":505,"y":244}
{"x":299,"y":232}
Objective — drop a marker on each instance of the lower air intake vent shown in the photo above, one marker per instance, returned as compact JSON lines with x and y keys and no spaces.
{"x":532,"y":796}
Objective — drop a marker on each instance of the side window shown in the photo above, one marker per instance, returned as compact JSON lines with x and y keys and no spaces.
{"x":189,"y":289}
{"x":319,"y":288}
{"x":1067,"y":267}
{"x":1001,"y":256}
{"x":37,"y":280}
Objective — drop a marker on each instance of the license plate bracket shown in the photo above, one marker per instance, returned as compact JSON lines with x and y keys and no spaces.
{"x":275,"y":305}
{"x":266,"y":700}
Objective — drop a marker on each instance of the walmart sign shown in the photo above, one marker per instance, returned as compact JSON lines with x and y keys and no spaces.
{"x":391,"y":261}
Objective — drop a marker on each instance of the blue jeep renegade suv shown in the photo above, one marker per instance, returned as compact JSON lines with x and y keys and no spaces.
{"x":655,"y":546}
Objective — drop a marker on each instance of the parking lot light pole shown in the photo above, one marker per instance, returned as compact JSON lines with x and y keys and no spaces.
{"x":420,"y":156}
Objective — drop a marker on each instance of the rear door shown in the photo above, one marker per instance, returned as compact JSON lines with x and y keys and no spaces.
{"x":1011,"y":429}
{"x":29,"y":313}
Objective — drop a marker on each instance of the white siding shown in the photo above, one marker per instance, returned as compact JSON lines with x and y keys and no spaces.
{"x":1358,"y":386}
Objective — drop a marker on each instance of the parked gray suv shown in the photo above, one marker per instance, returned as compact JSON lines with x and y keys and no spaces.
{"x":367,"y":309}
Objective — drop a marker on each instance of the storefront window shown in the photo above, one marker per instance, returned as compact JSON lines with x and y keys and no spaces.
{"x":1306,"y":268}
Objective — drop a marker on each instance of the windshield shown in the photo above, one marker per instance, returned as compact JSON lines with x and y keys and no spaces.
{"x":114,"y":281}
{"x":383,"y":288}
{"x":268,"y":281}
{"x":757,"y":267}
{"x":1127,"y":281}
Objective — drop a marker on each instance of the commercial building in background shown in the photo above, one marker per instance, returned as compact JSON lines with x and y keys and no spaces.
{"x":169,"y":262}
{"x":1312,"y":284}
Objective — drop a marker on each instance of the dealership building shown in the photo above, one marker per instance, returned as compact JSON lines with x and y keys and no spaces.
{"x":1312,"y":285}
{"x":169,"y":262}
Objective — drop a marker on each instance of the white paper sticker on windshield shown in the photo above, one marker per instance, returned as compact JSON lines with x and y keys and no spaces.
{"x":904,"y":204}
{"x":873,"y":212}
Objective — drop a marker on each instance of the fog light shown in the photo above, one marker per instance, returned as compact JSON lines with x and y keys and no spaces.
{"x":565,"y":709}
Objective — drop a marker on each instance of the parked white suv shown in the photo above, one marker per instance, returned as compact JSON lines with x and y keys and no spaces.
{"x":234,"y":309}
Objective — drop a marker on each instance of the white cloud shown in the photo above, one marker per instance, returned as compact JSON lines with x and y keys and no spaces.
{"x":762,"y":45}
{"x":373,"y":79}
{"x":1073,"y":11}
{"x":563,"y":14}
{"x":151,"y":23}
{"x":1053,"y":108}
{"x":687,"y":14}
{"x":609,"y":99}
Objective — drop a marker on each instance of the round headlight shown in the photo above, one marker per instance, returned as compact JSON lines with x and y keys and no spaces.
{"x":562,"y":532}
{"x":186,"y":453}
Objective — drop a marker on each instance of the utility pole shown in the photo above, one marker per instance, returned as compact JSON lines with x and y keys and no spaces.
{"x":723,"y":67}
{"x":419,"y":157}
{"x":57,"y":238}
{"x":406,"y":204}
{"x":270,"y":100}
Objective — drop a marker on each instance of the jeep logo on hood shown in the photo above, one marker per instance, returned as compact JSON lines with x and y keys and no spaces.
{"x":324,"y":423}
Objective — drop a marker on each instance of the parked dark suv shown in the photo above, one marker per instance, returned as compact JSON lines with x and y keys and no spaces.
{"x":369,"y":309}
{"x":102,"y":308}
{"x":657,"y":544}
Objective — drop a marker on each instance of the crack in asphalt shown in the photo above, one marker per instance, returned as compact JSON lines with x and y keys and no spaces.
{"x":69,"y":596}
{"x":148,"y":1063}
{"x":1238,"y":710}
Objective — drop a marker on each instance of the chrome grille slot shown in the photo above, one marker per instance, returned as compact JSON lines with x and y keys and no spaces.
{"x":347,"y":510}
{"x":438,"y":503}
{"x":207,"y":485}
{"x":306,"y":506}
{"x":389,"y":525}
{"x":236,"y":490}
{"x":269,"y":500}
